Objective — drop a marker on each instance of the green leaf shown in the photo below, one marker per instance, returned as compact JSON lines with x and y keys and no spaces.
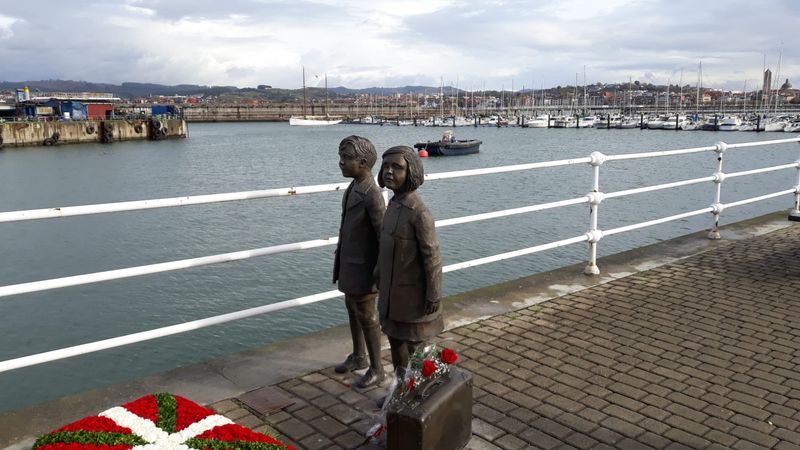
{"x":167,"y":415}
{"x":88,"y":437}
{"x":214,"y":444}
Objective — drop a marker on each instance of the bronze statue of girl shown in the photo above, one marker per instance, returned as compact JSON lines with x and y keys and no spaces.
{"x":409,"y":262}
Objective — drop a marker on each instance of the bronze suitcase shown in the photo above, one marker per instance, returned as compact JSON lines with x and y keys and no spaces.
{"x":439,"y":417}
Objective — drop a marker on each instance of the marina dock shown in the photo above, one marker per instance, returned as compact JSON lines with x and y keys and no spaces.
{"x":690,"y":343}
{"x":50,"y":133}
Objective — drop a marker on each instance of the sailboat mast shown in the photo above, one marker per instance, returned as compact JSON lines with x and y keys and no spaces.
{"x":744,"y":98}
{"x":699,"y":83}
{"x":441,"y":99}
{"x":304,"y":92}
{"x":778,"y":80}
{"x":325,"y":108}
{"x":680,"y":95}
{"x":585,"y":96}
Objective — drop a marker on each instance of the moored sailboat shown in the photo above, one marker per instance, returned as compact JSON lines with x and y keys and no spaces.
{"x":312,"y":121}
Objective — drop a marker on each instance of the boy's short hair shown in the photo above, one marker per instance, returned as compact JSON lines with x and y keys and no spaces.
{"x":415,"y":173}
{"x":362,"y":147}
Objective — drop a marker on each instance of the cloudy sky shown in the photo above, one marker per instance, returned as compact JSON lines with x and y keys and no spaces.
{"x":387,"y":43}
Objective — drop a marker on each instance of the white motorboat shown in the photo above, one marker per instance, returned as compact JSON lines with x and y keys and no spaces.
{"x":655,"y":123}
{"x":627,"y":123}
{"x":536,"y":122}
{"x":775,"y":124}
{"x":587,"y":122}
{"x":312,"y":122}
{"x":792,"y":127}
{"x":565,"y":122}
{"x":747,"y":125}
{"x":730,"y":123}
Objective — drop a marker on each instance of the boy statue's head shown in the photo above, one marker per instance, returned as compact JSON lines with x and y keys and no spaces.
{"x":357,"y":156}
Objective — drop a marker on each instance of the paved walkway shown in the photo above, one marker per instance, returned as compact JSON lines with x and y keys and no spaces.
{"x":703,"y":353}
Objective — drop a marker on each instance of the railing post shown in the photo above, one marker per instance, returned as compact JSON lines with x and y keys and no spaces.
{"x":719,"y":177}
{"x":794,"y":215}
{"x":595,"y":198}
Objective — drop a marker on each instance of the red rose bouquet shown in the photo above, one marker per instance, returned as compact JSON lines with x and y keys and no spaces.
{"x":427,"y":366}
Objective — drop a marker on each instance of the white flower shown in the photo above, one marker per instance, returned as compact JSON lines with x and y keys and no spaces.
{"x":156,"y":438}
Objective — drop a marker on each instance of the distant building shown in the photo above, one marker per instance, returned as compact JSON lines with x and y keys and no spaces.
{"x":263,"y":87}
{"x":786,"y":85}
{"x":767,"y":83}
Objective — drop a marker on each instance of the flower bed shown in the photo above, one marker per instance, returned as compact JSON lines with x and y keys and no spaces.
{"x":156,"y":422}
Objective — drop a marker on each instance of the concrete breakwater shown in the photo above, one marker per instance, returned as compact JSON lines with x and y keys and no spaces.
{"x":36,"y":133}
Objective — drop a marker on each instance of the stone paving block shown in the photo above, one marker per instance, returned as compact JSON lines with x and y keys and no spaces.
{"x":250,"y":421}
{"x":237,"y":413}
{"x":476,"y":443}
{"x":511,"y":425}
{"x":329,"y":426}
{"x":344,"y":413}
{"x":349,"y":440}
{"x":308,"y":413}
{"x":539,"y":439}
{"x":316,"y":442}
{"x":510,"y":442}
{"x":486,"y":430}
{"x":224,"y":406}
{"x":294,"y":429}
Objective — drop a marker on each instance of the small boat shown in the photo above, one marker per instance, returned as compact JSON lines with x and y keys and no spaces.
{"x":792,"y":127}
{"x":536,"y":122}
{"x":312,"y":121}
{"x":448,"y":146}
{"x":730,"y":123}
{"x":303,"y":121}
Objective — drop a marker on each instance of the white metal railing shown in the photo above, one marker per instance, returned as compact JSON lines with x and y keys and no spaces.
{"x":592,"y":236}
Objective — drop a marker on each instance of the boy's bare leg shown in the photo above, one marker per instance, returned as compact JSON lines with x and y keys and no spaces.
{"x":357,"y":359}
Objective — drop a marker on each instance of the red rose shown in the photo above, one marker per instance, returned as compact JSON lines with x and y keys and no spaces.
{"x":412,"y":383}
{"x":428,"y":368}
{"x":448,"y":356}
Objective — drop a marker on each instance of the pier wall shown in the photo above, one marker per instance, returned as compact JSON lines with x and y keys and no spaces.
{"x":40,"y":133}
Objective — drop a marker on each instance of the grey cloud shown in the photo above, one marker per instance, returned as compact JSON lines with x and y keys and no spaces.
{"x":653,"y":38}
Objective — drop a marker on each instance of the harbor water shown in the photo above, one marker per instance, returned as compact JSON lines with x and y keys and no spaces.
{"x":232,"y":157}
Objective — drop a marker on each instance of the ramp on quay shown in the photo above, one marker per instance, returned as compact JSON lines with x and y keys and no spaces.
{"x":689,"y":343}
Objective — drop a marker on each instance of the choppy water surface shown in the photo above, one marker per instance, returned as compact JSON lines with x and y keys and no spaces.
{"x":237,"y":157}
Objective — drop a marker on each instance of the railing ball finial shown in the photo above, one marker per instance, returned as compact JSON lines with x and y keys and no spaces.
{"x":721,"y":147}
{"x":595,"y":198}
{"x":593,"y":236}
{"x":597,"y":159}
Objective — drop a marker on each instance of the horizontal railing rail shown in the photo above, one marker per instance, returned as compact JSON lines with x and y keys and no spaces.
{"x":592,"y":236}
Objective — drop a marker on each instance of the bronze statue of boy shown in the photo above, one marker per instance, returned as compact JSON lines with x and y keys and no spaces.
{"x":356,"y":257}
{"x":409,"y":262}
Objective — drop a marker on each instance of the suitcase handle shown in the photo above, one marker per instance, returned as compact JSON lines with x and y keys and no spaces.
{"x":423,"y":393}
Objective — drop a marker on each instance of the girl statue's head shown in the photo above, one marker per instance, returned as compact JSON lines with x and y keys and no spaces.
{"x":401,"y":170}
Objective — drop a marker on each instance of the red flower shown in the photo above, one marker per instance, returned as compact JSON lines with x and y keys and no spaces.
{"x":145,"y":407}
{"x":412,"y":383}
{"x":233,"y":432}
{"x":95,"y":424}
{"x":448,"y":356}
{"x":428,"y":368}
{"x":188,"y":412}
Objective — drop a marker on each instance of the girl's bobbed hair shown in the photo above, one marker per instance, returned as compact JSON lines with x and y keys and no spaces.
{"x":415,"y":174}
